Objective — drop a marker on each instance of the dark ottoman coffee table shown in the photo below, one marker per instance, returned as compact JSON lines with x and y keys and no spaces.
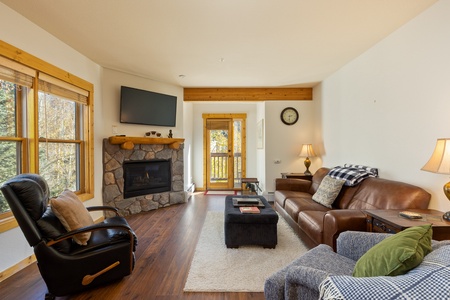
{"x":250,"y":229}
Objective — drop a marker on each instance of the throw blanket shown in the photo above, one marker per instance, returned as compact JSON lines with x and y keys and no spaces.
{"x":429,"y":280}
{"x":353,"y":174}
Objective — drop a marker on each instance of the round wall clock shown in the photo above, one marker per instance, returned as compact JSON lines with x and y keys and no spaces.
{"x":289,"y":116}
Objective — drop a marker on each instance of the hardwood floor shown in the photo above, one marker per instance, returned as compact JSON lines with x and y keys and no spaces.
{"x":167,"y":240}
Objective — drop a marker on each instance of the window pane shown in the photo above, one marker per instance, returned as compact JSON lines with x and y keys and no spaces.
{"x":56,"y":117}
{"x":58,"y":164}
{"x":10,"y":162}
{"x":7,"y":109}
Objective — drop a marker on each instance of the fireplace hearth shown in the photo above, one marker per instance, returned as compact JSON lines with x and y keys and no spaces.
{"x":146,"y":177}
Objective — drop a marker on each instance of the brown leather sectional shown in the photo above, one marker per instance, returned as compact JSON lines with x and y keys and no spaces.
{"x":317,"y":224}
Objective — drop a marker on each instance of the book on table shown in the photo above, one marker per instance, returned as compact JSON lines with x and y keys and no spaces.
{"x":249,"y":210}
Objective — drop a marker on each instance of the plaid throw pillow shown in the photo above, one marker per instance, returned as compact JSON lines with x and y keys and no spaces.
{"x":352,"y":176}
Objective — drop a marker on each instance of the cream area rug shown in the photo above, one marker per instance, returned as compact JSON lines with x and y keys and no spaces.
{"x":215,"y":268}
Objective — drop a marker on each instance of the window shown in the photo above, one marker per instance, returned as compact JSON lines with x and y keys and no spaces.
{"x":46,"y":126}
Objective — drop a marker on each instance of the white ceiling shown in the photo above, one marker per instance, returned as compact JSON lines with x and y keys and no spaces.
{"x":222,"y":43}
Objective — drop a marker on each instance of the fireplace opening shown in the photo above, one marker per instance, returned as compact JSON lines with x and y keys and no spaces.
{"x":146,"y":177}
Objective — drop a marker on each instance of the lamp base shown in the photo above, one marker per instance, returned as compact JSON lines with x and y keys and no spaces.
{"x":446,"y":216}
{"x":307,"y":164}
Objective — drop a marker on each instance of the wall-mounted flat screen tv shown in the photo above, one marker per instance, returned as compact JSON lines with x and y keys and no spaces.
{"x":147,"y":108}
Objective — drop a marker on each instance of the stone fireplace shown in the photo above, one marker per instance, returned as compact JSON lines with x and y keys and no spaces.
{"x":144,"y":176}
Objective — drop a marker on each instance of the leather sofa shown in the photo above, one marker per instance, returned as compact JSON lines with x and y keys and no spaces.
{"x":317,"y":224}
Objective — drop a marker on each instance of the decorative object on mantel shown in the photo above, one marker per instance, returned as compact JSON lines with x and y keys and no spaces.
{"x":307,"y":151}
{"x":170,"y":134}
{"x":439,"y":162}
{"x":127,"y":142}
{"x":153,"y":133}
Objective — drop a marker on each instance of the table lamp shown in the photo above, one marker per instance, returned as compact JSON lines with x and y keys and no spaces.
{"x":439,"y":162}
{"x":307,"y":151}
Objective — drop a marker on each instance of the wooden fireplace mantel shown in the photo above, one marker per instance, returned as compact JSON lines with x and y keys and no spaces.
{"x":128,"y":142}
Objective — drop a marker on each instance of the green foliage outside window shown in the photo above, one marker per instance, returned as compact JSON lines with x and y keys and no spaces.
{"x":8,"y":150}
{"x":58,"y":161}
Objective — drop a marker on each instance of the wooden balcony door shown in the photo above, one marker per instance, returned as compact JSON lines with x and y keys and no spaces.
{"x":223,"y":149}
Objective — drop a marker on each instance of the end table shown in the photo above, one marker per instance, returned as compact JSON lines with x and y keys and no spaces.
{"x":389,"y":221}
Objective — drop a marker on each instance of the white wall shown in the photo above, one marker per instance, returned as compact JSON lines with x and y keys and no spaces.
{"x":23,"y":34}
{"x":284,"y":142}
{"x":387,"y":107}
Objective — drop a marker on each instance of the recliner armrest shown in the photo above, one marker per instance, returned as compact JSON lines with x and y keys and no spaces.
{"x":99,"y":226}
{"x":306,"y":276}
{"x":104,"y":208}
{"x":353,"y":244}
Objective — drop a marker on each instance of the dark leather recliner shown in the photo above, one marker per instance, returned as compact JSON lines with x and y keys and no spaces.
{"x":65,"y":266}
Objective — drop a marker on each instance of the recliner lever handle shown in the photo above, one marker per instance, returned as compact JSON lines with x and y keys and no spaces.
{"x":89,"y":278}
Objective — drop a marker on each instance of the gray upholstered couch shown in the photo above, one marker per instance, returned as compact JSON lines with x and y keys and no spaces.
{"x":302,"y":278}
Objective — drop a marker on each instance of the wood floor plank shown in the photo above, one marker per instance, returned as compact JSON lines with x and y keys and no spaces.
{"x":167,"y":240}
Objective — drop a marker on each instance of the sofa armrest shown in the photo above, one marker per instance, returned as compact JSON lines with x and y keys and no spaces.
{"x":353,"y":244}
{"x":303,"y":282}
{"x":291,"y":184}
{"x":340,"y":220}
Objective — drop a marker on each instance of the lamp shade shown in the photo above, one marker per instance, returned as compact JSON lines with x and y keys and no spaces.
{"x":439,"y":161}
{"x":307,"y":151}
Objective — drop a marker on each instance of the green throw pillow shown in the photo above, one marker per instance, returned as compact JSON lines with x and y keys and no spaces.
{"x":397,"y":254}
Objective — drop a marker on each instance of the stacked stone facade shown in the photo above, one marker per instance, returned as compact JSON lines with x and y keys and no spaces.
{"x":113,"y":181}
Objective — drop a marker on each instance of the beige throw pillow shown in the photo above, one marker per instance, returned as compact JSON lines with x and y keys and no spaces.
{"x":73,"y":215}
{"x":328,"y":190}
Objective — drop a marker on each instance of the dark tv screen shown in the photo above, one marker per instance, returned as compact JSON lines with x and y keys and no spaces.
{"x":147,"y":108}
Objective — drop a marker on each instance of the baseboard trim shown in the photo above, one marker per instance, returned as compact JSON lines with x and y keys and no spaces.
{"x":17,"y":267}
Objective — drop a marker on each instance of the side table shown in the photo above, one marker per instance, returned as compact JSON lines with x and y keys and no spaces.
{"x":389,"y":221}
{"x":296,"y":176}
{"x":245,"y":181}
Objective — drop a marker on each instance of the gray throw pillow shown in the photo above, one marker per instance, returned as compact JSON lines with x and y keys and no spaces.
{"x":328,"y":190}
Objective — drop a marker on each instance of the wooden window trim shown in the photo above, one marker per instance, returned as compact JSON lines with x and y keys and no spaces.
{"x":40,"y":66}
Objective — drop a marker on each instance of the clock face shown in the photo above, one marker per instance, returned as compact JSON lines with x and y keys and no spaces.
{"x":289,"y":116}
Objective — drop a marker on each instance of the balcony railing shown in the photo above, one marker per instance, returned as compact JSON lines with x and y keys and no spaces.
{"x":219,"y":168}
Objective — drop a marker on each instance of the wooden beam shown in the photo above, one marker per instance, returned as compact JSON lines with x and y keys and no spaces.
{"x":247,"y":94}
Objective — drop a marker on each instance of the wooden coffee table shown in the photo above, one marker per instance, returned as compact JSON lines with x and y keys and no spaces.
{"x":389,"y":221}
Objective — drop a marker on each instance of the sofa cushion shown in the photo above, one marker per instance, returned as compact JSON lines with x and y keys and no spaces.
{"x":396,"y":254}
{"x":295,"y":205}
{"x":311,"y":222}
{"x":281,"y":196}
{"x":378,"y":193}
{"x":328,"y":191}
